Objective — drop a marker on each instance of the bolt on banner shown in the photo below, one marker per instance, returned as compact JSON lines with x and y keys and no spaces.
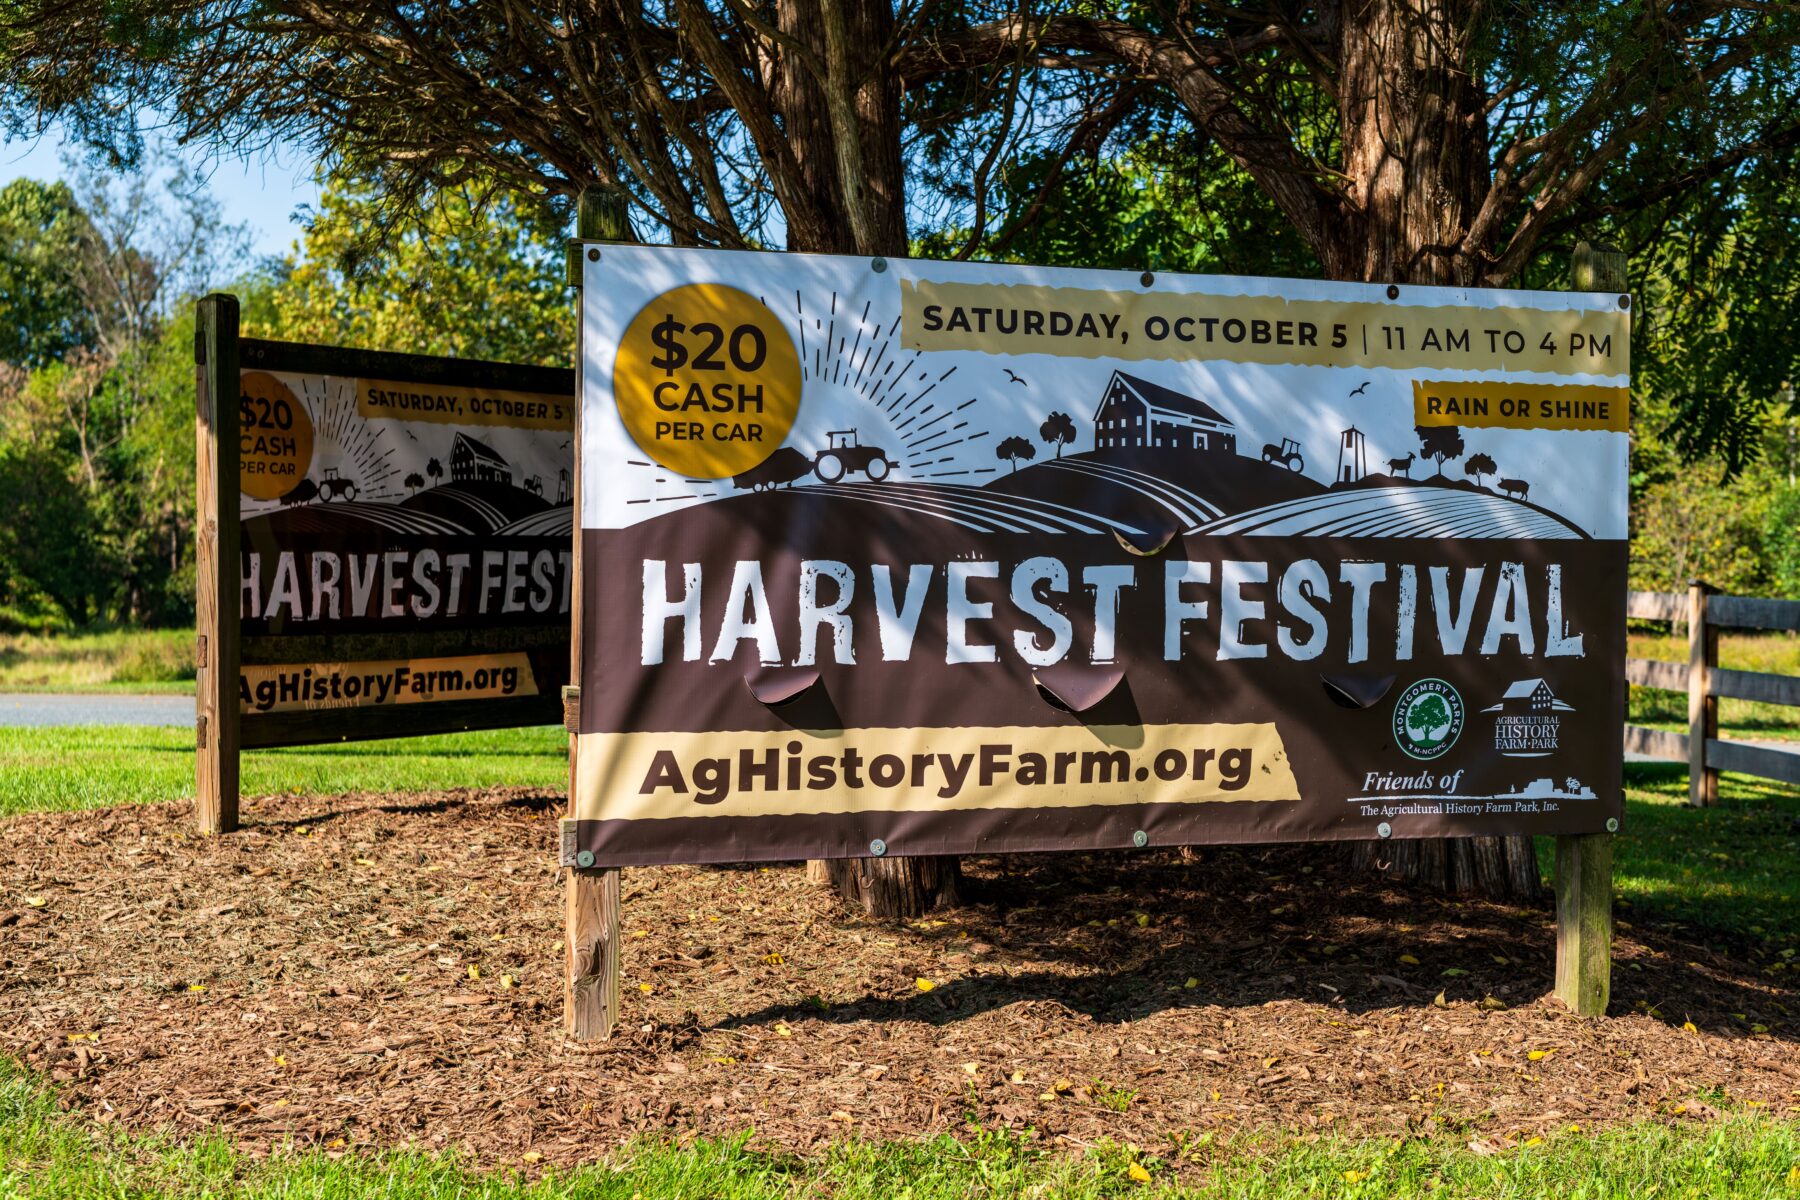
{"x":944,"y":558}
{"x":406,"y":542}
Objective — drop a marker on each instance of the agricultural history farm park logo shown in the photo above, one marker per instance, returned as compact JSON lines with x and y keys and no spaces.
{"x":1428,"y":717}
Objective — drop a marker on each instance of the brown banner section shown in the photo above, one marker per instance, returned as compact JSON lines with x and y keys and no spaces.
{"x":656,"y":776}
{"x":1437,"y":686}
{"x":1021,"y":831}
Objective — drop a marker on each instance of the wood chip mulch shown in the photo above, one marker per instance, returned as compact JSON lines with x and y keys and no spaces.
{"x":373,"y":970}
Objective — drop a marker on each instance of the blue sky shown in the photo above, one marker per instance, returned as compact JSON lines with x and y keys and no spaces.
{"x":261,"y":193}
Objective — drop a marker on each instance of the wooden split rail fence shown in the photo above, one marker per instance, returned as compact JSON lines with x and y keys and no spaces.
{"x":1705,"y":682}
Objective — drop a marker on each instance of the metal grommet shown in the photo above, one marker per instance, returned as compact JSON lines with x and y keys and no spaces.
{"x":1612,"y":824}
{"x":1385,"y":830}
{"x":1147,"y":278}
{"x":1393,"y":291}
{"x":878,"y":847}
{"x":585,"y":859}
{"x":593,"y":255}
{"x":1624,"y":301}
{"x":878,"y":265}
{"x":1140,"y":839}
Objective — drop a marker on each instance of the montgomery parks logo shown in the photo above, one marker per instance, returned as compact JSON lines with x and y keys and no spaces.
{"x":1427,"y":718}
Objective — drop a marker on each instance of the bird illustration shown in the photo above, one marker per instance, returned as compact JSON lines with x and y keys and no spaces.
{"x":1014,"y":378}
{"x":564,"y":446}
{"x":1365,"y":387}
{"x":409,"y":433}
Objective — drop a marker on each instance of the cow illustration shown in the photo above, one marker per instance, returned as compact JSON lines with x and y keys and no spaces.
{"x":1518,"y":489}
{"x":1401,"y":466}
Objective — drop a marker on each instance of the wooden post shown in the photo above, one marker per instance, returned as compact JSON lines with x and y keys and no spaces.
{"x":217,"y":574}
{"x":590,"y":898}
{"x":1584,"y":922}
{"x":1703,"y":706}
{"x":1584,"y":860}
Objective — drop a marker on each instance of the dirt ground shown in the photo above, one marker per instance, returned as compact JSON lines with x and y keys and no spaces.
{"x":366,"y":970}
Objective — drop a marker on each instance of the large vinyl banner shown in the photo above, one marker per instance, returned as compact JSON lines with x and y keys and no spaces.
{"x":406,"y":542}
{"x":912,"y":557}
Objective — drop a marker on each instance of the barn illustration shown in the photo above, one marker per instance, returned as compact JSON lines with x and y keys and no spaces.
{"x":1528,"y":696}
{"x":1137,"y":414}
{"x":473,"y":461}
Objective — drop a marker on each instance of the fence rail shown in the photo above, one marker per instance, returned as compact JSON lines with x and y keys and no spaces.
{"x":1704,"y":682}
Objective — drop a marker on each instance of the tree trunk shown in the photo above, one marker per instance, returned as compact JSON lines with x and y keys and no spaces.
{"x":1415,"y":144}
{"x":897,"y":887}
{"x":841,"y":114}
{"x":1416,"y":157}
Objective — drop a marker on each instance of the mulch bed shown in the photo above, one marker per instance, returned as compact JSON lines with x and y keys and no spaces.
{"x":379,"y":970}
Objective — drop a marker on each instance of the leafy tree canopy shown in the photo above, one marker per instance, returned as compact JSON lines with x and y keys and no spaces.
{"x":476,"y":275}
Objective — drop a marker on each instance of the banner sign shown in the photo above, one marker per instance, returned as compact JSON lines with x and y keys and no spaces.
{"x":406,"y":541}
{"x":906,"y":557}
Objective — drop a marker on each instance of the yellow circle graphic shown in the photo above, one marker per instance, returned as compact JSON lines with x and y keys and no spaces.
{"x":275,"y":437}
{"x":707,"y":380}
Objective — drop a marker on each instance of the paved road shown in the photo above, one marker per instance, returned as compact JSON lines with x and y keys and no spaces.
{"x":23,"y":708}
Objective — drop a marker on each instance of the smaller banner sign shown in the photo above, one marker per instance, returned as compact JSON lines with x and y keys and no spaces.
{"x":405,"y":536}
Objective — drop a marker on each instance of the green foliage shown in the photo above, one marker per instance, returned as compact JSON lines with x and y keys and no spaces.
{"x":1717,"y":343}
{"x":50,"y":542}
{"x":42,"y":232}
{"x":1170,"y":202}
{"x":471,"y":275}
{"x":1696,"y":526}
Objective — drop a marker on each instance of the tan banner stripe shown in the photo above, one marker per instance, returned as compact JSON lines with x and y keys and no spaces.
{"x":449,"y":405}
{"x":1138,"y":326}
{"x":1521,"y":405}
{"x":293,"y":687}
{"x":637,"y":776}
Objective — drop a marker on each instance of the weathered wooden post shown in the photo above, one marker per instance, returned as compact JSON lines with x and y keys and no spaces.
{"x":1583,"y":880}
{"x":590,"y":898}
{"x":217,"y":580}
{"x":1703,"y":706}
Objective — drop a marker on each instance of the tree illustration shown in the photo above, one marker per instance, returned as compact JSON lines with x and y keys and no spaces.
{"x":1479,"y":465}
{"x":1014,"y":448}
{"x":435,"y":469}
{"x":414,"y":481}
{"x":1440,"y":442}
{"x":1430,"y":715}
{"x":1058,"y":430}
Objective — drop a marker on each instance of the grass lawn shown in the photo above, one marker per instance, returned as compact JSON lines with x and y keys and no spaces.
{"x":121,"y":660}
{"x":1774,"y":653}
{"x":92,"y":766}
{"x":47,"y":1154}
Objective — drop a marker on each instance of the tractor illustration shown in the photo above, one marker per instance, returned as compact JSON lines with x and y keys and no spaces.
{"x":846,"y":454}
{"x":334,"y":488}
{"x":1287,"y":454}
{"x":535,"y":485}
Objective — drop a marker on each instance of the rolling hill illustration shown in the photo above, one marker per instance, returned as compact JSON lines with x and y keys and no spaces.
{"x":480,"y":494}
{"x":1163,"y":461}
